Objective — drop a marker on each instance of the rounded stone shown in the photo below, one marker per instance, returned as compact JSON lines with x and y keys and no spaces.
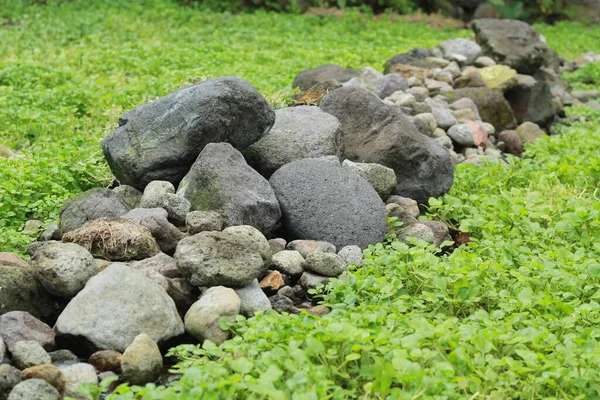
{"x":325,"y":264}
{"x":47,"y":372}
{"x":290,"y":262}
{"x":77,"y":374}
{"x":462,"y":135}
{"x":9,"y":378}
{"x":106,"y":360}
{"x":155,"y":194}
{"x":28,"y":353}
{"x":352,"y":255}
{"x":252,"y":299}
{"x":141,"y":362}
{"x":202,"y":319}
{"x":381,"y":178}
{"x":34,"y":389}
{"x":63,"y":268}
{"x":320,"y":201}
{"x":234,"y":257}
{"x":200,"y":221}
{"x":16,"y":326}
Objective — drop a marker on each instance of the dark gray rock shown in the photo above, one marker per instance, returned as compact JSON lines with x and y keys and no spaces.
{"x":310,"y":77}
{"x":52,"y":232}
{"x":320,"y":201}
{"x":491,"y":104}
{"x":88,"y":206}
{"x":34,"y":389}
{"x":129,"y":195}
{"x":63,"y":268}
{"x":283,"y":304}
{"x":534,"y":104}
{"x":177,"y":208}
{"x":440,"y":230}
{"x":155,"y":219}
{"x":299,"y":132}
{"x":114,"y":307}
{"x":375,"y":132}
{"x":161,"y":140}
{"x":310,"y":280}
{"x":511,"y":42}
{"x":220,"y":180}
{"x":413,"y":57}
{"x":235,"y":257}
{"x":16,"y":326}
{"x":22,"y":291}
{"x":389,"y":84}
{"x":63,"y":357}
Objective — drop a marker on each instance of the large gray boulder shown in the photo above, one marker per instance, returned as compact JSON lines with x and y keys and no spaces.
{"x":511,"y":42}
{"x":234,"y":257}
{"x":321,"y":201}
{"x":299,"y":132}
{"x":310,"y":77}
{"x":221,"y":180}
{"x":161,"y":140}
{"x":91,"y":205}
{"x":63,"y":268}
{"x":114,"y":307}
{"x":375,"y":132}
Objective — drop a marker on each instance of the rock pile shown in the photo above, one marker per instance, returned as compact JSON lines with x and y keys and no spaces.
{"x":224,"y":206}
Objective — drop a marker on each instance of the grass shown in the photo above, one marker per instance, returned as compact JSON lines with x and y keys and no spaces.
{"x":513,"y":314}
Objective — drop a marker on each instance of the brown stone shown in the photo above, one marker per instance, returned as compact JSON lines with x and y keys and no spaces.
{"x":272,"y":282}
{"x":512,"y":142}
{"x":471,"y":79}
{"x":408,"y":71}
{"x":314,"y":95}
{"x":106,"y":360}
{"x":47,"y":372}
{"x":11,"y":260}
{"x":319,"y":310}
{"x":480,"y":135}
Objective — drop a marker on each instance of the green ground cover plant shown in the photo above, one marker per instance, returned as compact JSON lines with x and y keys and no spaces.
{"x":512,"y":314}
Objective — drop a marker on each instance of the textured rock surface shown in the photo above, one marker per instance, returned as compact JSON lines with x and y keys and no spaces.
{"x":492,"y":106}
{"x":155,"y":219}
{"x":235,"y":257}
{"x":532,"y":103}
{"x":141,"y":362}
{"x":160,"y":140}
{"x":202,"y":319}
{"x":63,"y":268}
{"x":106,"y":360}
{"x":310,"y":77}
{"x":34,"y":389}
{"x":200,"y":221}
{"x":470,"y":50}
{"x":29,"y":353}
{"x":352,"y":255}
{"x":22,"y":291}
{"x":320,"y":201}
{"x":9,"y":378}
{"x":299,"y":132}
{"x":511,"y":42}
{"x":75,"y":375}
{"x":325,"y":264}
{"x":252,"y":299}
{"x":290,"y":262}
{"x":221,"y":180}
{"x":16,"y":326}
{"x":47,"y":372}
{"x":375,"y":132}
{"x":381,"y":178}
{"x":306,"y":246}
{"x":115,"y":306}
{"x":90,"y":205}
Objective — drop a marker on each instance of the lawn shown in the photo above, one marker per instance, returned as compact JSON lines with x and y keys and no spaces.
{"x":512,"y":314}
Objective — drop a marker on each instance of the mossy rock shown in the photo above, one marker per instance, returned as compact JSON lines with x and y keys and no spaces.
{"x":493,"y":107}
{"x":20,"y":291}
